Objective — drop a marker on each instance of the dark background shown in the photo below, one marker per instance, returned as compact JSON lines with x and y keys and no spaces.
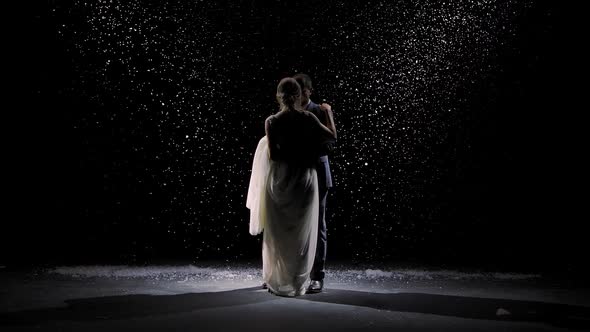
{"x":132,"y":126}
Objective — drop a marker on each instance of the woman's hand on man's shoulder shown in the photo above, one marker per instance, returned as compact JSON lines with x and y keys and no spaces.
{"x":325,"y":107}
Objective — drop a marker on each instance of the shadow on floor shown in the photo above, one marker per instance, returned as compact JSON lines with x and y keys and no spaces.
{"x":561,"y":315}
{"x":134,"y":306}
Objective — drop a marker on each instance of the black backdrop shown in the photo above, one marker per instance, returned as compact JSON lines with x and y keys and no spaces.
{"x":133,"y":124}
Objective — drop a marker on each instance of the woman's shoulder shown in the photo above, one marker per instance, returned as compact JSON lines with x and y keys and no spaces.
{"x":273,"y":119}
{"x":305,"y":113}
{"x":290,"y":115}
{"x":270,"y":118}
{"x":310,"y":116}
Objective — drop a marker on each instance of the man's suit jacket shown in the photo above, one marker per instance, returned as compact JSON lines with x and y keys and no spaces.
{"x":323,"y":165}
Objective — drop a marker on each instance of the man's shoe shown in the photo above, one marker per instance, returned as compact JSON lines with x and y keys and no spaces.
{"x":315,"y":286}
{"x":264,"y":286}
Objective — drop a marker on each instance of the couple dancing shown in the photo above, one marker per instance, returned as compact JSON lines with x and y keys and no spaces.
{"x":288,"y":189}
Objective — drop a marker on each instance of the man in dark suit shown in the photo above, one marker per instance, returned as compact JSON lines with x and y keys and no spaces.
{"x":324,"y":183}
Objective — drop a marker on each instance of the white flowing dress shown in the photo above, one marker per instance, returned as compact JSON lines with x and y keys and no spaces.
{"x":284,"y":205}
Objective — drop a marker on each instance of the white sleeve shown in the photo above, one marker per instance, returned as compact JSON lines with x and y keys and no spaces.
{"x":257,"y":187}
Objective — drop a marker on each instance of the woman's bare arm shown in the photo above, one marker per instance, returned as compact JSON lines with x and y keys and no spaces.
{"x":329,"y":117}
{"x":327,"y":134}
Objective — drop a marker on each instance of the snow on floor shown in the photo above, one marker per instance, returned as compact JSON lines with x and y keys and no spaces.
{"x":228,"y":297}
{"x":191,"y":272}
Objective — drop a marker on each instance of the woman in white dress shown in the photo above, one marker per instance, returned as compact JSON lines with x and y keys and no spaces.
{"x":283,"y":192}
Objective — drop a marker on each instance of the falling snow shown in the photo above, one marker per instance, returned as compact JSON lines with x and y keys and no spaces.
{"x":176,"y":94}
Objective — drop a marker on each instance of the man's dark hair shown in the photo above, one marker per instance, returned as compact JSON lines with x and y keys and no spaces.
{"x":304,"y":81}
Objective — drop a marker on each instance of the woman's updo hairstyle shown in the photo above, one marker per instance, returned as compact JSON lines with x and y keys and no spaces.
{"x":288,"y":93}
